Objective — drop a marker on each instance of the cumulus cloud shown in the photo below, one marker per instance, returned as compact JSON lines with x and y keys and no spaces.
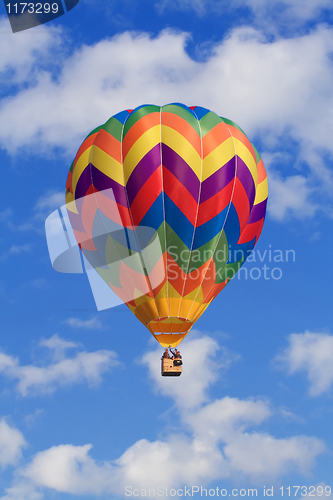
{"x":201,"y":365}
{"x":57,"y":345}
{"x":271,"y":88}
{"x":64,"y":371}
{"x":217,"y":439}
{"x":311,"y":353}
{"x":11,"y":444}
{"x":22,"y":54}
{"x":290,"y":196}
{"x":48,"y":202}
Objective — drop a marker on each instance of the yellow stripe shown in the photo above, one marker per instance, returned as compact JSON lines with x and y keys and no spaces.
{"x":107,"y":165}
{"x":243,"y":152}
{"x":69,"y":203}
{"x":183,"y":148}
{"x":196,"y":295}
{"x":140,"y":148}
{"x":261,"y":192}
{"x":81,"y":164}
{"x":218,"y":157}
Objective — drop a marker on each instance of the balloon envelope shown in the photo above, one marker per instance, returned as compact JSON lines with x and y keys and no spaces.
{"x":166,"y":204}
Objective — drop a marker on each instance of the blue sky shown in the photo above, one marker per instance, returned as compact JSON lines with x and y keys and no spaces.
{"x":84,"y":410}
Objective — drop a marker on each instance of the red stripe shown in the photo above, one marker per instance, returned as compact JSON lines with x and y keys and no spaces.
{"x":112,"y":210}
{"x":251,"y":231}
{"x":212,"y":207}
{"x":151,"y":189}
{"x":84,"y":241}
{"x":178,"y":193}
{"x":241,"y":204}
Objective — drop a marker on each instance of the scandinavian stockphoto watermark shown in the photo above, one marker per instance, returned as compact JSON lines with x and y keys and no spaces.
{"x":226,"y":255}
{"x":134,"y":260}
{"x":26,"y":15}
{"x":200,"y":491}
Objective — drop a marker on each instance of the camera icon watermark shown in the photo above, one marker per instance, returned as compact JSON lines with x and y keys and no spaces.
{"x":26,"y":15}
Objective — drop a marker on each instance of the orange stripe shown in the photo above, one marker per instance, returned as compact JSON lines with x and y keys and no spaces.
{"x":183,"y":128}
{"x":214,"y":138}
{"x":196,"y":277}
{"x":69,"y":182}
{"x":242,"y":137}
{"x":109,"y":144}
{"x":145,"y":123}
{"x":85,"y":145}
{"x":176,"y":275}
{"x":209,"y":281}
{"x":261,"y":172}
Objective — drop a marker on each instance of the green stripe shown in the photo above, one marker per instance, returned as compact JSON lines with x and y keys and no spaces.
{"x":258,"y":157}
{"x":209,"y":121}
{"x":183,"y":113}
{"x":233,"y":124}
{"x":137,"y":115}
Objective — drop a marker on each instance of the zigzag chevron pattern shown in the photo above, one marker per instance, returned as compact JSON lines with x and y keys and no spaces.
{"x":191,"y":176}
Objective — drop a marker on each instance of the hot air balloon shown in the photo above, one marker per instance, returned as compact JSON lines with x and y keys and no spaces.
{"x":179,"y":179}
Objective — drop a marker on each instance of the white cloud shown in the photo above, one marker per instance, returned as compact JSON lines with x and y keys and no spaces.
{"x":274,"y":89}
{"x":216,"y":440}
{"x":23,"y":53}
{"x":89,"y":324}
{"x":84,"y":366}
{"x":180,"y":460}
{"x":58,"y":345}
{"x":200,"y":358}
{"x":50,"y":201}
{"x":290,"y":196}
{"x":11,"y":444}
{"x":311,"y":353}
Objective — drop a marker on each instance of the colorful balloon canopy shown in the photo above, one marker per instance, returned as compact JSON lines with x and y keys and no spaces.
{"x":166,"y":204}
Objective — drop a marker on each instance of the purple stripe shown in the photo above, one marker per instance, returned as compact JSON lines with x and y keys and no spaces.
{"x":102,"y":182}
{"x":245,"y":176}
{"x":181,"y":170}
{"x":217,"y":181}
{"x":258,"y":212}
{"x":84,"y":183}
{"x":144,"y":169}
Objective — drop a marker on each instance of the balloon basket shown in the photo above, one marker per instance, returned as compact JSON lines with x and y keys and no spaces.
{"x":171,"y":365}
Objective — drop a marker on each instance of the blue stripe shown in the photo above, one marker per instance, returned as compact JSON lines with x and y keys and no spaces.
{"x":121,"y":117}
{"x":178,"y":222}
{"x":239,"y":251}
{"x":201,"y":112}
{"x":154,"y":216}
{"x":209,"y":230}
